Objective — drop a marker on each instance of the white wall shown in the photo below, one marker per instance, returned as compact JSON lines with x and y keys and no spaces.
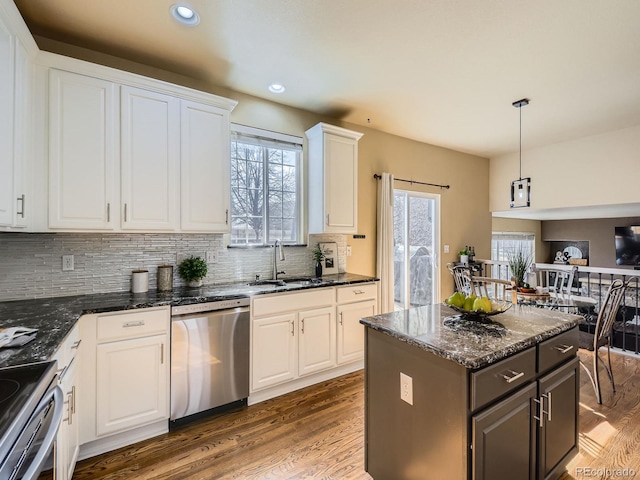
{"x":597,"y":170}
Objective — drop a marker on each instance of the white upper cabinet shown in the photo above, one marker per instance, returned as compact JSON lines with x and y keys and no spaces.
{"x":205,"y":175}
{"x":7,"y":69}
{"x":150,"y":159}
{"x":82,"y":151}
{"x":333,"y":179}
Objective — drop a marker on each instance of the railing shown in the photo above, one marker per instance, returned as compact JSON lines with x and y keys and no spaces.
{"x":593,"y":282}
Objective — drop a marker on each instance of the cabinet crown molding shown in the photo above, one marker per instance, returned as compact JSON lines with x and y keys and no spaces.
{"x":326,"y":128}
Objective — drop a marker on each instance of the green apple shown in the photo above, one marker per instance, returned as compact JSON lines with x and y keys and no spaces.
{"x":457,"y":299}
{"x":482,"y":304}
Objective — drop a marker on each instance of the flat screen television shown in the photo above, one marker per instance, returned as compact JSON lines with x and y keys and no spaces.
{"x":628,"y":246}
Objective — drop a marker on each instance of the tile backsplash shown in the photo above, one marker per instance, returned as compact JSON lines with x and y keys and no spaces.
{"x":31,"y":264}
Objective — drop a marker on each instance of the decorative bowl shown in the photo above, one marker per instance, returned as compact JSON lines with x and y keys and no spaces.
{"x":526,"y":290}
{"x":496,"y":308}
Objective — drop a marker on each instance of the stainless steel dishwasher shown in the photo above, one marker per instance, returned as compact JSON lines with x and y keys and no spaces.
{"x":209,"y":356}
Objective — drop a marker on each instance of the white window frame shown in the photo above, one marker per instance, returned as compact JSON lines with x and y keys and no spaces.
{"x":268,"y":138}
{"x":515,"y":236}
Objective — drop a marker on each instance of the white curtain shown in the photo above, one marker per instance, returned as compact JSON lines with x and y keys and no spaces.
{"x":384,"y":268}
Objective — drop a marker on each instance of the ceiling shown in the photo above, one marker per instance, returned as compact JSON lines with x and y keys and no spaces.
{"x":443,"y":72}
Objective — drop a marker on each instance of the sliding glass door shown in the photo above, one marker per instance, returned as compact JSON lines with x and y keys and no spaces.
{"x":416,"y":233}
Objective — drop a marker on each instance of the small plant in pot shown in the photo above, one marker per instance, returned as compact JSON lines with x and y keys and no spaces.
{"x":519,"y":264}
{"x":319,"y":254}
{"x":464,"y":255}
{"x":192,"y":270}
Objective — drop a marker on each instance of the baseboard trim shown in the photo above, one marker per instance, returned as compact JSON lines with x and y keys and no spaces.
{"x":122,"y":439}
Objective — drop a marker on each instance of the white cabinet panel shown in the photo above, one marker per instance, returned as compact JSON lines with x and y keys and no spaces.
{"x":132,"y":383}
{"x":333,"y":194}
{"x":7,"y":66}
{"x":204,"y":168}
{"x":351,"y":331}
{"x":150,"y":159}
{"x":82,"y":151}
{"x":274,"y":350}
{"x":317,"y":340}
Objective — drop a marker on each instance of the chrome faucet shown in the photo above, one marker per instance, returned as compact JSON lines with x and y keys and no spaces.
{"x":277,"y":251}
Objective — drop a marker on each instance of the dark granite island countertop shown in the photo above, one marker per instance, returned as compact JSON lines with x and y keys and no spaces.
{"x":439,"y":330}
{"x":55,"y":317}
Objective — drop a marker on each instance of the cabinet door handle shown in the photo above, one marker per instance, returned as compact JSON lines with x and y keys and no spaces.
{"x":162,"y":354}
{"x":76,"y":345}
{"x":125,"y":212}
{"x":108,"y":212}
{"x":548,"y":395}
{"x":226,"y":216}
{"x":564,"y":348}
{"x":514,"y":376}
{"x":303,"y":325}
{"x":340,"y":318}
{"x":292,"y":329}
{"x":73,"y":399}
{"x":539,"y":417}
{"x":67,"y":402}
{"x":328,"y":222}
{"x":138,"y":323}
{"x":21,"y":200}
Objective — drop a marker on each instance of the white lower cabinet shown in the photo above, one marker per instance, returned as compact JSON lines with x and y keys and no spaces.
{"x":132,"y":383}
{"x":67,"y":444}
{"x":351,"y":331}
{"x":274,"y":350}
{"x":301,"y":338}
{"x":316,"y":340}
{"x":125,"y":378}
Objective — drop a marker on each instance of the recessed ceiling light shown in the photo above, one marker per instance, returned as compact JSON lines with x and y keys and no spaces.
{"x":276,"y":88}
{"x":185,"y":15}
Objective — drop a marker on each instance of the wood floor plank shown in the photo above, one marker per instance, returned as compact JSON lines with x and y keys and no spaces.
{"x":318,"y":433}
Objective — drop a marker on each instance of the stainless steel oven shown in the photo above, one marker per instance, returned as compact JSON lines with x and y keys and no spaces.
{"x":31,"y":404}
{"x":209,"y":356}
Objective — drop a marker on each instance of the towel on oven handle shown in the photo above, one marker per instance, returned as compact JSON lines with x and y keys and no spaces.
{"x":16,"y":336}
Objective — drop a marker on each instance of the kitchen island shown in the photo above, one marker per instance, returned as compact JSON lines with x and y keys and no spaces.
{"x":447,"y":397}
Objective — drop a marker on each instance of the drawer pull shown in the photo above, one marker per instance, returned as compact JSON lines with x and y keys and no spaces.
{"x":564,"y":348}
{"x":514,"y":376}
{"x":303,"y":325}
{"x":292,"y":329}
{"x":138,"y":323}
{"x":358,"y":292}
{"x":76,"y":345}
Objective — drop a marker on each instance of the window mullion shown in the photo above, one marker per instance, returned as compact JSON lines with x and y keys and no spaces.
{"x":265,"y":193}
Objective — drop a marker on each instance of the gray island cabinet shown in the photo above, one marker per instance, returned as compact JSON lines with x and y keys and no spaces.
{"x":452,"y":398}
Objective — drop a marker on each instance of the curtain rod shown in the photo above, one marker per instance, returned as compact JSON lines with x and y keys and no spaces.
{"x":378,"y":177}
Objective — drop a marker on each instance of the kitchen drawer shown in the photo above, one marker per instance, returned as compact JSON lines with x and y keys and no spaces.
{"x":357,"y":292}
{"x":498,"y":379}
{"x":291,"y":302}
{"x":140,"y":323}
{"x":557,"y":349}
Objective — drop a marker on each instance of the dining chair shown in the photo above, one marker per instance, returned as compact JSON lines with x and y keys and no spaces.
{"x":461,"y":277}
{"x":602,"y":335}
{"x":556,"y":280}
{"x":494,"y":288}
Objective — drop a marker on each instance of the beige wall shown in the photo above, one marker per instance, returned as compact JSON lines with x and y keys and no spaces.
{"x":526,"y":226}
{"x":597,"y":170}
{"x":465,"y":217}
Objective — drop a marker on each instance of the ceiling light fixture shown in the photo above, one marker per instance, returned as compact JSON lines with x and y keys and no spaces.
{"x":276,"y":88}
{"x":185,"y":15}
{"x":521,"y":188}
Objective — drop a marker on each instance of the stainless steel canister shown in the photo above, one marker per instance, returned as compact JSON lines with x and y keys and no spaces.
{"x":165,"y":278}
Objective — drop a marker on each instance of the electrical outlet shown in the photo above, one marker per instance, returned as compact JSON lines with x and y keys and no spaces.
{"x":406,"y":388}
{"x":212,"y":257}
{"x":67,"y":263}
{"x":348,"y":250}
{"x":446,"y":249}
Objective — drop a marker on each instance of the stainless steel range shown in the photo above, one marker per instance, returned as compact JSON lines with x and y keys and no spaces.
{"x":30,"y":412}
{"x":209,"y":356}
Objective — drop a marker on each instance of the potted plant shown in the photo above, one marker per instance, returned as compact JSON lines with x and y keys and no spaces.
{"x":464,"y":255}
{"x":192,"y":270}
{"x":319,"y":254}
{"x":519,"y":264}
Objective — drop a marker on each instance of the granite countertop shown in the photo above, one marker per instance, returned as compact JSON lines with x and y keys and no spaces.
{"x":55,"y":317}
{"x":440,"y":330}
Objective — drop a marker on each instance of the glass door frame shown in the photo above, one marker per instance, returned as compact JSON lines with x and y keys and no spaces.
{"x":436,"y":244}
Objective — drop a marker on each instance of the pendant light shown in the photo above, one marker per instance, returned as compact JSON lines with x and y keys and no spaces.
{"x":521,"y":188}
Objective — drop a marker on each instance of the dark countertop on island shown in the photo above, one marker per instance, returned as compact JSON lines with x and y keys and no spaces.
{"x":440,"y":330}
{"x":55,"y":317}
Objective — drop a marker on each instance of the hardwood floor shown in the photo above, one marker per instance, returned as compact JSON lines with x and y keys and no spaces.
{"x":318,"y":433}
